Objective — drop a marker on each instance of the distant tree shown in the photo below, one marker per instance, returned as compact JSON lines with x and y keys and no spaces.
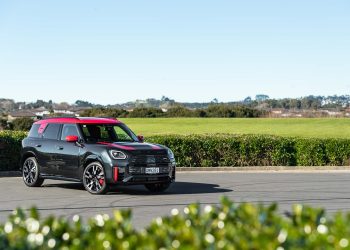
{"x":247,"y":100}
{"x":261,"y":98}
{"x":179,"y":111}
{"x":22,"y":124}
{"x":3,"y":124}
{"x":81,"y":103}
{"x":147,"y":112}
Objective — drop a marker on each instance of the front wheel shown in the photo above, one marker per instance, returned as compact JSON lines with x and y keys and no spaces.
{"x":31,"y":173}
{"x":94,"y":179}
{"x":158,"y":187}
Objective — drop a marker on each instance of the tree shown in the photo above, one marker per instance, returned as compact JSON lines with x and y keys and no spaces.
{"x":23,"y":123}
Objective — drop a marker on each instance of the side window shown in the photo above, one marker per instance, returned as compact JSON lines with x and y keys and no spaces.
{"x":34,"y":131}
{"x":69,"y":129}
{"x":51,"y":131}
{"x":121,"y":134}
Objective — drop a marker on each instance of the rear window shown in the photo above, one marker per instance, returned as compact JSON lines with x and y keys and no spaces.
{"x":34,"y":131}
{"x":51,"y":131}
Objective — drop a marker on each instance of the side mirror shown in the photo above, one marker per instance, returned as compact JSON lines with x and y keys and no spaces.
{"x":140,"y":138}
{"x":72,"y":138}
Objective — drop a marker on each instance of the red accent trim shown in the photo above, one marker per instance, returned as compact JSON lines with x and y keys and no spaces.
{"x":73,"y":120}
{"x":116,"y":146}
{"x":115,"y":174}
{"x":72,"y":138}
{"x":42,"y":128}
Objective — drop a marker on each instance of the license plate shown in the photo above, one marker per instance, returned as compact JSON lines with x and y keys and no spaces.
{"x":152,"y":170}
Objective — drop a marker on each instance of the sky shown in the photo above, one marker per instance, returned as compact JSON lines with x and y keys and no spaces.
{"x":111,"y":52}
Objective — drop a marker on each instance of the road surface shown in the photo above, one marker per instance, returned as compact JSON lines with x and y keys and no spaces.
{"x":327,"y":189}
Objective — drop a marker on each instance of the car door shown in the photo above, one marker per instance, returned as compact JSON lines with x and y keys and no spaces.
{"x":68,"y":153}
{"x":46,"y":149}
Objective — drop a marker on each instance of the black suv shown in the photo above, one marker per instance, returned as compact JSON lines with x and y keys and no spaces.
{"x":99,"y":152}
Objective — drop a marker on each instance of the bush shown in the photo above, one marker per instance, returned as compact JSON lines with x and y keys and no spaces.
{"x":22,"y":123}
{"x":223,"y":150}
{"x":227,"y":226}
{"x":255,"y":150}
{"x":10,"y":148}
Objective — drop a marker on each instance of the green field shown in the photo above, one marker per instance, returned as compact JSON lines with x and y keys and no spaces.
{"x":301,"y":127}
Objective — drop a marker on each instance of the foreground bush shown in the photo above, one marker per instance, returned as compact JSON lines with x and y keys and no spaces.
{"x":223,"y":150}
{"x":228,"y":226}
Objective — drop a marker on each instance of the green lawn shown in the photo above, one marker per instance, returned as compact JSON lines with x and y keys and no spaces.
{"x":302,"y":127}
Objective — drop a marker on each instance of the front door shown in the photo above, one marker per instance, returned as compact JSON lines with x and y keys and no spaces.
{"x":68,"y":152}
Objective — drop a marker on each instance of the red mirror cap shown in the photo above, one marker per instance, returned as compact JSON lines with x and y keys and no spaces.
{"x":141,"y":138}
{"x":72,"y":138}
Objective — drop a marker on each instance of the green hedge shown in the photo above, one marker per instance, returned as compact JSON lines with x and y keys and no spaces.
{"x":227,"y":226}
{"x":224,"y":150}
{"x":10,"y":148}
{"x":255,"y":150}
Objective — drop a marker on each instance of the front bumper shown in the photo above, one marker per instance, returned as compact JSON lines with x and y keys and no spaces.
{"x":124,"y":173}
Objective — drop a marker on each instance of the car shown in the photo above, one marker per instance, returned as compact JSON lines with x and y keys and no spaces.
{"x":98,"y":152}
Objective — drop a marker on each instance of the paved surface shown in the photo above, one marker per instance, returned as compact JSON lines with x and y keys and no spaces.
{"x":325,"y":189}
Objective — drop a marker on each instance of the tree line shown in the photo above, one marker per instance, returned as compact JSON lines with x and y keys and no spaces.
{"x":220,"y":110}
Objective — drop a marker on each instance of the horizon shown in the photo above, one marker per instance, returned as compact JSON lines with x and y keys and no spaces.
{"x":176,"y":101}
{"x":194,"y":51}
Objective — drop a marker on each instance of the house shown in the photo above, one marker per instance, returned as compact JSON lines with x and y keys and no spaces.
{"x":21,"y":114}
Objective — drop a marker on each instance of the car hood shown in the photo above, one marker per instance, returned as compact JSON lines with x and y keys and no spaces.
{"x":132,"y":146}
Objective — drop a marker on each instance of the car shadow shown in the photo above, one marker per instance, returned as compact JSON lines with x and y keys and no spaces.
{"x":176,"y":188}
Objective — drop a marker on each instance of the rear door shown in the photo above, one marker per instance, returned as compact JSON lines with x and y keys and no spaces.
{"x":47,"y":147}
{"x":68,"y":153}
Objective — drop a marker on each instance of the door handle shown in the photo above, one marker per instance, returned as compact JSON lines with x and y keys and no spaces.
{"x":38,"y":145}
{"x":59,"y":147}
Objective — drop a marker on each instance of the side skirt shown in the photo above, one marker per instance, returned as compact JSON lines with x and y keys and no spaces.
{"x":61,"y":178}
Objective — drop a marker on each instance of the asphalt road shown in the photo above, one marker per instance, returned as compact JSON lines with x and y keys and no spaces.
{"x":328,"y":189}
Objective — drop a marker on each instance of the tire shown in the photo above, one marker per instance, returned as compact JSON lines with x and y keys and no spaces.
{"x":31,"y":173}
{"x":158,"y":187}
{"x":94,"y":179}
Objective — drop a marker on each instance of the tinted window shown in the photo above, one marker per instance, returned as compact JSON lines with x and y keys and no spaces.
{"x":107,"y":133}
{"x":69,"y":129}
{"x":34,"y":131}
{"x":51,"y":131}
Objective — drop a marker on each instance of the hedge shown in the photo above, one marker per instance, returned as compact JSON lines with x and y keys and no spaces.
{"x":255,"y":150}
{"x":10,"y":148}
{"x":224,"y":150}
{"x":226,"y":226}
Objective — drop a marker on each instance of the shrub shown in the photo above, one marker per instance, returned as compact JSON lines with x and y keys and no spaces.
{"x":10,"y":148}
{"x":223,"y":150}
{"x":226,"y":226}
{"x":23,"y":123}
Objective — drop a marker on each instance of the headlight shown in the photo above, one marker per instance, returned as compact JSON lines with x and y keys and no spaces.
{"x":170,"y":154}
{"x":117,"y":155}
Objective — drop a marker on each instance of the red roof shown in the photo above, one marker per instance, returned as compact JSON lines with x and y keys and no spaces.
{"x":75,"y":120}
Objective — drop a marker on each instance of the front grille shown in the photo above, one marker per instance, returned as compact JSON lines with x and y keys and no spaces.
{"x":139,"y":163}
{"x":142,"y":170}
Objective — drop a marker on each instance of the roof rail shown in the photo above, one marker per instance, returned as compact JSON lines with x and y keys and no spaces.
{"x":57,"y":117}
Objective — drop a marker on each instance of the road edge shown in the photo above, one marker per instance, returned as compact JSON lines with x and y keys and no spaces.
{"x":236,"y":169}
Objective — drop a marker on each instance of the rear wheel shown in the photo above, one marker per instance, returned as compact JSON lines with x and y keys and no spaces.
{"x":31,"y":173}
{"x":94,"y":179}
{"x":157,"y":187}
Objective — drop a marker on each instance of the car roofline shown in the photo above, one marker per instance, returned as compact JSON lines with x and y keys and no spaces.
{"x":79,"y":120}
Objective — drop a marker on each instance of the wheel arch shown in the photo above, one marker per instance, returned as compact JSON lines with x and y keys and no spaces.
{"x":25,"y":156}
{"x":89,"y":159}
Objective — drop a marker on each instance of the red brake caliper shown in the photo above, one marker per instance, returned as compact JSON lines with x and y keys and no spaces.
{"x":101,"y":181}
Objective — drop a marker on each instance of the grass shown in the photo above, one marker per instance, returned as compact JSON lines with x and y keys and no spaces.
{"x":300,"y":127}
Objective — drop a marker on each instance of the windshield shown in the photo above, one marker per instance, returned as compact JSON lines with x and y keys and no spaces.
{"x":107,"y":133}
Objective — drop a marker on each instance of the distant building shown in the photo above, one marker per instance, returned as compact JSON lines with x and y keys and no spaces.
{"x":21,"y":114}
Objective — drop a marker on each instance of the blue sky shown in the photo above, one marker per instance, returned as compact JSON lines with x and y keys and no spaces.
{"x":117,"y":51}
